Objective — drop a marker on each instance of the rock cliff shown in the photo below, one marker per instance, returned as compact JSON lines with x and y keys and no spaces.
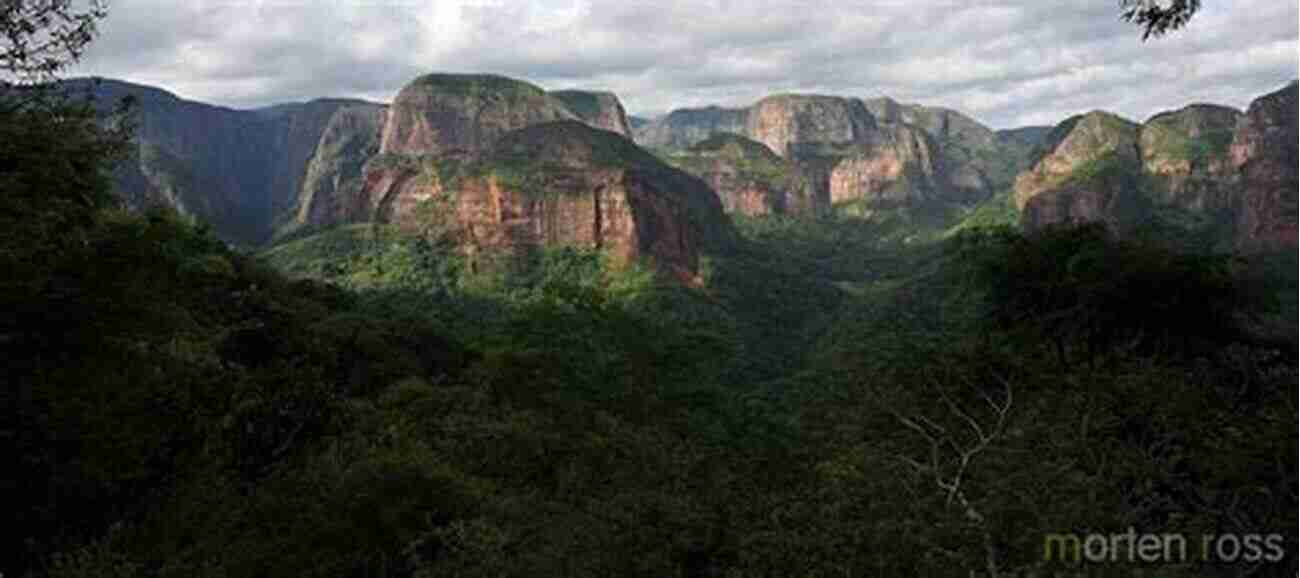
{"x":797,"y":125}
{"x":332,"y":187}
{"x":894,"y":166}
{"x":1223,"y":179}
{"x":455,"y":113}
{"x":748,"y":177}
{"x":1089,"y":171}
{"x":236,"y":169}
{"x":599,"y":109}
{"x":568,"y":184}
{"x":969,"y":159}
{"x":1185,"y":157}
{"x":1263,"y":151}
{"x":684,"y":127}
{"x":440,"y":121}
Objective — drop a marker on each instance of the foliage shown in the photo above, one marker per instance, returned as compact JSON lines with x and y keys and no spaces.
{"x":1158,"y":18}
{"x":836,"y":400}
{"x":39,"y":38}
{"x":478,"y":85}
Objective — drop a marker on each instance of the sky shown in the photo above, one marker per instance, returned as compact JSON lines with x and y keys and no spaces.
{"x":1005,"y":63}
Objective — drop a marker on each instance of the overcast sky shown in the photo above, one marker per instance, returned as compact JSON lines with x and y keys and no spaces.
{"x":1005,"y":63}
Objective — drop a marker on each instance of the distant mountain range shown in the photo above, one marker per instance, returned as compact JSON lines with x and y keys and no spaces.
{"x":512,"y":165}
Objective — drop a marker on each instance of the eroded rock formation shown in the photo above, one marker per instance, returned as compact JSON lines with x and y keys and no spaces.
{"x":687,"y":126}
{"x":1088,"y":172}
{"x":599,"y":109}
{"x":1264,"y":152}
{"x":568,"y":184}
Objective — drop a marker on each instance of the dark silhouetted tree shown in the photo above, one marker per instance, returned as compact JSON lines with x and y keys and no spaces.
{"x":1157,"y":17}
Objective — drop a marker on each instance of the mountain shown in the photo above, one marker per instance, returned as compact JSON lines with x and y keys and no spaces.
{"x":684,"y":127}
{"x":748,"y":177}
{"x":333,"y":180}
{"x":259,"y":175}
{"x":263,"y":174}
{"x":568,"y":184}
{"x":847,"y":152}
{"x":1263,"y":152}
{"x":236,"y":169}
{"x":463,"y":113}
{"x":1185,"y":156}
{"x":1204,"y":172}
{"x":506,"y":169}
{"x":1087,"y":171}
{"x":598,"y":109}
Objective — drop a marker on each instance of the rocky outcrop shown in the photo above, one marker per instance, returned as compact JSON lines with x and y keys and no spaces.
{"x":747,"y":176}
{"x":894,"y":167}
{"x":684,"y":127}
{"x":456,"y":113}
{"x":568,"y":184}
{"x":297,"y":130}
{"x":1185,"y":157}
{"x":1263,"y":151}
{"x":873,"y":154}
{"x":239,"y":170}
{"x":1089,"y":171}
{"x":440,"y":120}
{"x":599,"y":109}
{"x":1205,"y":176}
{"x":333,"y":183}
{"x":796,"y":125}
{"x":1019,"y":148}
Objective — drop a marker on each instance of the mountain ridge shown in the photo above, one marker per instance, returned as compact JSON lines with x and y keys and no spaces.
{"x":259,"y":174}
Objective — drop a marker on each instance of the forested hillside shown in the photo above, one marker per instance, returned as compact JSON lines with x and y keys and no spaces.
{"x":649,"y":388}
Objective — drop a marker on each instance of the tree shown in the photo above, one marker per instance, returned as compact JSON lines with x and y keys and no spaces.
{"x":39,"y":38}
{"x":1156,"y":17}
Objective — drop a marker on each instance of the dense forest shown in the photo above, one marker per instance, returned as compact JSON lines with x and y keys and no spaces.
{"x":844,"y":394}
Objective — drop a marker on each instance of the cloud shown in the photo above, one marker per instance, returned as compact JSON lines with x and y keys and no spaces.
{"x":1006,"y":63}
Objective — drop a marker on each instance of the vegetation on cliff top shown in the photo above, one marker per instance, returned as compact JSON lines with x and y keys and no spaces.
{"x":475,"y":85}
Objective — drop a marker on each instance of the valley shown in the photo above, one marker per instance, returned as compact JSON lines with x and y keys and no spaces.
{"x":489,"y":329}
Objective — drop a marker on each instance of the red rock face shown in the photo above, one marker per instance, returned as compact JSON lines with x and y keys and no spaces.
{"x":1264,"y":151}
{"x":1074,"y":204}
{"x":739,"y":194}
{"x":895,"y":167}
{"x":1185,"y":154}
{"x":438,"y":114}
{"x":1059,"y":187}
{"x":616,"y":210}
{"x":786,"y":122}
{"x":866,"y":178}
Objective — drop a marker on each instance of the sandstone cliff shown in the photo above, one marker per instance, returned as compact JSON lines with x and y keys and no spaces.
{"x":1208,"y":174}
{"x":844,"y":151}
{"x":684,"y":127}
{"x":797,"y":125}
{"x":599,"y":109}
{"x":568,"y":184}
{"x":748,"y":177}
{"x":236,"y":169}
{"x":894,"y":166}
{"x":1264,"y":152}
{"x":968,"y":156}
{"x":331,"y":191}
{"x":450,"y":113}
{"x":1089,"y":171}
{"x":438,"y":120}
{"x":1185,"y":157}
